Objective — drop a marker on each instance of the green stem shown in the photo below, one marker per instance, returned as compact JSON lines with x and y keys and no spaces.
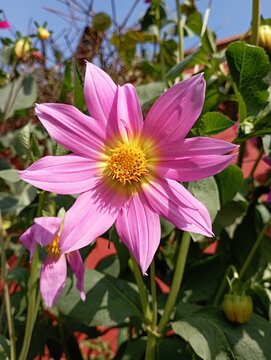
{"x":254,"y":249}
{"x":222,"y":286}
{"x":255,"y":21}
{"x":11,"y":328}
{"x":150,"y":353}
{"x":180,"y":32}
{"x":33,"y":295}
{"x":142,"y":290}
{"x":154,"y":297}
{"x":176,"y":282}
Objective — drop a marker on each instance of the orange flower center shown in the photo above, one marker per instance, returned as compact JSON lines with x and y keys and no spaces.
{"x":128,"y":163}
{"x":53,"y":247}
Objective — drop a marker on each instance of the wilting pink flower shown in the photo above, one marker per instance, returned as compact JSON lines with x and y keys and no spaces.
{"x":47,"y":232}
{"x":4,"y":25}
{"x":127,"y":170}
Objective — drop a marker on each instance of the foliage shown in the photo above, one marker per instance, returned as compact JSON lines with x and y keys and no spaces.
{"x":237,"y":99}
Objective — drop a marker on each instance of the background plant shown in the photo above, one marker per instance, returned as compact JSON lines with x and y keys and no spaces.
{"x":150,"y":55}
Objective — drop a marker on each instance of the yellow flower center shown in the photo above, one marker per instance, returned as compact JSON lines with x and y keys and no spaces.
{"x":128,"y":163}
{"x":53,"y":247}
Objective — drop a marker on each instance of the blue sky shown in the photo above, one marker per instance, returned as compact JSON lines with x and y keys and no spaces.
{"x":226,"y":18}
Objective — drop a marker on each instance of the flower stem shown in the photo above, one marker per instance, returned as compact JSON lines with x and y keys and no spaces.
{"x":254,"y":249}
{"x":180,"y":32}
{"x":142,"y":290}
{"x":152,"y":331}
{"x":176,"y":282}
{"x":255,"y":21}
{"x":32,"y":306}
{"x":11,"y":329}
{"x":32,"y":295}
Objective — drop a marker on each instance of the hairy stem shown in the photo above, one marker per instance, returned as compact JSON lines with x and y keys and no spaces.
{"x":255,"y":21}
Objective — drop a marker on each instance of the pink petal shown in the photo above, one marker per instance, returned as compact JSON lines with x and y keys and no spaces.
{"x":52,"y":278}
{"x":28,"y":240}
{"x":91,"y":215}
{"x":206,"y":146}
{"x":46,"y":229}
{"x":72,"y":129}
{"x":193,"y":168}
{"x":129,"y":112}
{"x":172,"y":201}
{"x":175,"y":112}
{"x":68,"y":174}
{"x":76,"y":263}
{"x":100,"y":92}
{"x":139,"y":228}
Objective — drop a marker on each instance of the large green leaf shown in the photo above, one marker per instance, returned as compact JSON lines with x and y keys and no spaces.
{"x":229,"y":181}
{"x":213,"y":123}
{"x":249,"y":65}
{"x":109,"y":301}
{"x":17,"y":95}
{"x":10,"y":175}
{"x":213,"y":337}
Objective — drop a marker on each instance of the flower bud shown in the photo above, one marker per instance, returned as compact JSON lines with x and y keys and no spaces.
{"x":22,"y":47}
{"x":264,"y":39}
{"x":43,"y":33}
{"x":237,"y":308}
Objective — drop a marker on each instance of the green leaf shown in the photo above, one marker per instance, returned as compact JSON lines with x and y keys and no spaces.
{"x":17,"y":95}
{"x":78,"y":88}
{"x":10,"y":175}
{"x":172,"y":348}
{"x":194,"y":23}
{"x":66,"y":86}
{"x":231,"y":212}
{"x":150,"y":91}
{"x":101,"y":21}
{"x":229,"y":181}
{"x":6,"y":55}
{"x":195,"y":58}
{"x":213,"y":337}
{"x":249,"y":65}
{"x":206,"y":191}
{"x":14,"y":204}
{"x":4,"y":348}
{"x":112,"y":300}
{"x":132,"y":350}
{"x":213,"y":123}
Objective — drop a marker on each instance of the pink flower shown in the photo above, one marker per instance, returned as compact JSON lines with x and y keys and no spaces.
{"x":47,"y":232}
{"x":4,"y":25}
{"x":127,"y":170}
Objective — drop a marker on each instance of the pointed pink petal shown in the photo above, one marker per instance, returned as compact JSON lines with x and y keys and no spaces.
{"x":46,"y":229}
{"x":175,"y":112}
{"x":139,"y":228}
{"x":91,"y":215}
{"x":52,"y":278}
{"x":72,"y":129}
{"x":193,"y":168}
{"x":100,"y":92}
{"x":129,"y":112}
{"x":206,"y":146}
{"x":68,"y":174}
{"x":77,"y":266}
{"x":172,"y":201}
{"x":28,"y":240}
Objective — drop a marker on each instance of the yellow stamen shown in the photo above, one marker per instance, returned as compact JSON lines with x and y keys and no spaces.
{"x":128,"y":163}
{"x":53,"y":247}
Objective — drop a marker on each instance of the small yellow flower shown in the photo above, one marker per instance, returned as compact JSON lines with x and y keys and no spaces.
{"x":265,"y":37}
{"x":43,"y":33}
{"x":22,"y":47}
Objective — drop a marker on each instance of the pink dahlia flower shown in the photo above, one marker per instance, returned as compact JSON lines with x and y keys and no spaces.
{"x":47,"y":232}
{"x":126,"y":170}
{"x":4,"y":25}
